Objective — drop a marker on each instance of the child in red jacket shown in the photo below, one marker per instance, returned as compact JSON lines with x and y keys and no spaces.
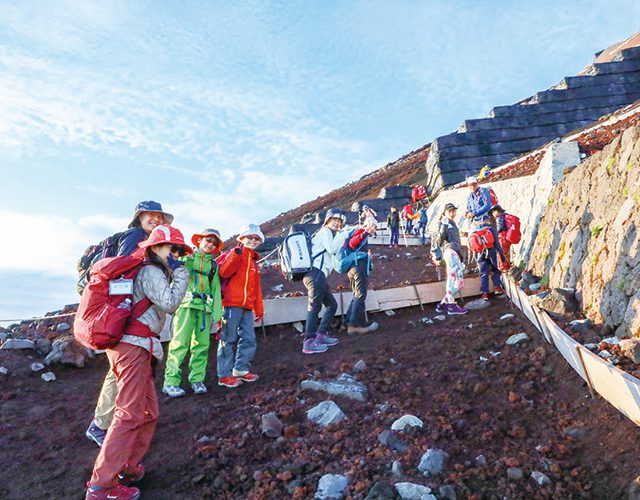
{"x":242,"y":299}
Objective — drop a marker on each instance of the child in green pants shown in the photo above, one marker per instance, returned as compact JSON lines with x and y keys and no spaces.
{"x":192,"y":321}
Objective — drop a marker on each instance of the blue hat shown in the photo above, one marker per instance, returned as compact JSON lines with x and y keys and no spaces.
{"x":150,"y":206}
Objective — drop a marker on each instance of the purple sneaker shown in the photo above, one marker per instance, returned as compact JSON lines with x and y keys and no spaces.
{"x":456,"y":309}
{"x":312,"y":346}
{"x":442,"y":308}
{"x":323,"y":338}
{"x":96,"y":434}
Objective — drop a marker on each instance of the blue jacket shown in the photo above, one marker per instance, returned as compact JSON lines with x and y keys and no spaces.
{"x":423,"y":216}
{"x":479,"y":203}
{"x":129,"y":240}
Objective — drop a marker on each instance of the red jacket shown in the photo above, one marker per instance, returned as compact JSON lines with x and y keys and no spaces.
{"x":241,"y":273}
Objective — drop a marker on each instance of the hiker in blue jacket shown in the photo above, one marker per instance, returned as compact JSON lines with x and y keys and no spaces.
{"x":422,"y":224}
{"x":478,"y":202}
{"x":488,"y":263}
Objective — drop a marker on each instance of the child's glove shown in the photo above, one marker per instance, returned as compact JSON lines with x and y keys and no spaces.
{"x":173,"y":262}
{"x":238,"y":250}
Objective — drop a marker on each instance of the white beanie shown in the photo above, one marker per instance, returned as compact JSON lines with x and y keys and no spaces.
{"x":472,"y":180}
{"x":251,"y":229}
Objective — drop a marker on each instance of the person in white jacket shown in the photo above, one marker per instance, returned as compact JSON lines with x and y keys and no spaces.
{"x":325,"y":244}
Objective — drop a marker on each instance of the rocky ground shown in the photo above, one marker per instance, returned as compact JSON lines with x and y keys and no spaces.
{"x":498,"y":417}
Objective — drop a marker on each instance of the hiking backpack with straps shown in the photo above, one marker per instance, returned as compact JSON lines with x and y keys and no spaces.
{"x":346,"y":258}
{"x":106,"y":310}
{"x":481,"y":239}
{"x":106,"y":248}
{"x":295,"y":255}
{"x":513,"y":235}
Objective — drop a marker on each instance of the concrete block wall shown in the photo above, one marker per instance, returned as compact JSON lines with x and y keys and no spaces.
{"x":527,"y":197}
{"x":509,"y":131}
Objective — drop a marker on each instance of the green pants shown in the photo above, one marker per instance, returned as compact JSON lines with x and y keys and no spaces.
{"x":188,"y":333}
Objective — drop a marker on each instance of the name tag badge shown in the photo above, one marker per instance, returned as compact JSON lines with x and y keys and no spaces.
{"x":121,"y":287}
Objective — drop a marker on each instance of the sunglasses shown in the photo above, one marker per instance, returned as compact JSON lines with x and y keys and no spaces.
{"x":212,"y":239}
{"x":179,"y":249}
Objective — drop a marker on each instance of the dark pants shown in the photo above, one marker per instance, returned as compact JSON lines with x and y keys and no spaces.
{"x":318,"y":294}
{"x":408,"y":225}
{"x":422,"y":231}
{"x":395,"y":235}
{"x":359,"y":278}
{"x":488,"y":264}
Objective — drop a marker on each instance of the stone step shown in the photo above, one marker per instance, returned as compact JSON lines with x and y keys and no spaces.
{"x":489,"y":149}
{"x":591,"y":80}
{"x":501,"y":135}
{"x":627,"y":54}
{"x":573,"y":94}
{"x":525,"y":121}
{"x":613,"y":67}
{"x":471,"y":165}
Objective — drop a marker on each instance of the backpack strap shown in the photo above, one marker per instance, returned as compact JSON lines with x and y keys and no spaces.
{"x":136,"y":327}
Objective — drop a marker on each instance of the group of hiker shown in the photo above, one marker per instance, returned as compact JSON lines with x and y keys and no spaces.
{"x":209,"y":290}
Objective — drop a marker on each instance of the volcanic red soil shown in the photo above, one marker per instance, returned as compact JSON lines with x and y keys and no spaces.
{"x":513,"y":408}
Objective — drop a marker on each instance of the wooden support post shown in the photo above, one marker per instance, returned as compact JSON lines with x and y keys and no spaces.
{"x":264,"y":329}
{"x":540,"y":326}
{"x":586,"y":373}
{"x":415,"y":288}
{"x":341,"y":307}
{"x":509,"y":286}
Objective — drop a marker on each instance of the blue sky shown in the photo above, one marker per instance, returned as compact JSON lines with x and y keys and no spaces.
{"x":232,"y":112}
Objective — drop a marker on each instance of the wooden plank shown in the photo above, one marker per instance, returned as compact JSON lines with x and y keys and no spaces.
{"x":565,"y":344}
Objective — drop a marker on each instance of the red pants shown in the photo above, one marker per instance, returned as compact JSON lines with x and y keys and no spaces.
{"x":506,"y":247}
{"x":134,"y":421}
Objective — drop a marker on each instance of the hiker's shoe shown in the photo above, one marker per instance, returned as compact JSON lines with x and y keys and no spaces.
{"x":498,"y":291}
{"x":173,"y":391}
{"x":441,"y":308}
{"x":372,"y":327}
{"x":231,"y":382}
{"x":456,"y":309}
{"x":96,"y":434}
{"x":131,"y":474}
{"x":356,"y":330}
{"x":485,"y":296}
{"x":118,"y":492}
{"x":323,"y":338}
{"x":312,"y":346}
{"x":199,"y":387}
{"x":245,"y":376}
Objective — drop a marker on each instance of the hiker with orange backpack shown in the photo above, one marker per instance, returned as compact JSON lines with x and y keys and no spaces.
{"x":242,"y":300}
{"x":201,"y":306}
{"x":162,"y":283}
{"x":147,"y":216}
{"x":508,"y":228}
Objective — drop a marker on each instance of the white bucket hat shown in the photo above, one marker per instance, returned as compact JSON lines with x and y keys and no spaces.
{"x":250,"y":229}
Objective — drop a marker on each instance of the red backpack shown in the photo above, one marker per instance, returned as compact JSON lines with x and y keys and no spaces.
{"x":513,"y":229}
{"x":494,"y":197}
{"x":102,"y":318}
{"x":480,"y":240}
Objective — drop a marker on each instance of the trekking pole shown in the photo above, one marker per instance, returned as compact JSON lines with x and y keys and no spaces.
{"x":404,"y":235}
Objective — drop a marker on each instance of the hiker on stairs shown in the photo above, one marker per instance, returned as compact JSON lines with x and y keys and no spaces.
{"x":393,"y":224}
{"x":325,"y":244}
{"x":201,"y":306}
{"x":447,"y":240}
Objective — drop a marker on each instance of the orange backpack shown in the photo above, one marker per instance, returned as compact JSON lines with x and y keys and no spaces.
{"x":480,"y":240}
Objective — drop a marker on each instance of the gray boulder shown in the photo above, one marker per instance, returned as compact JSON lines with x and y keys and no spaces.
{"x":326,"y":413}
{"x":380,"y":491}
{"x":433,"y":461}
{"x":270,"y":425}
{"x":527,"y":280}
{"x":412,"y":491}
{"x":447,"y":492}
{"x":65,"y":350}
{"x":580,"y":325}
{"x":360,"y":366}
{"x":540,"y":478}
{"x":63,"y":327}
{"x":390,"y":440}
{"x":630,"y":348}
{"x":345,"y":385}
{"x":477,"y":304}
{"x":396,"y":468}
{"x":43,"y":346}
{"x":560,"y":301}
{"x":518,"y":338}
{"x":48,"y":376}
{"x":633,"y":493}
{"x":18,"y":344}
{"x":514,"y":474}
{"x":331,"y":486}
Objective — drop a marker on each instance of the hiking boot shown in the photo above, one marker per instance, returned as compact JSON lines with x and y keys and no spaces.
{"x":323,"y":338}
{"x":96,"y":434}
{"x":245,"y":376}
{"x":199,"y":387}
{"x":441,"y":308}
{"x":372,"y":327}
{"x":498,"y":291}
{"x":173,"y":391}
{"x":485,"y":296}
{"x":231,"y":382}
{"x":456,"y":309}
{"x":131,"y":474}
{"x":117,"y":492}
{"x":356,"y":330}
{"x":312,"y":346}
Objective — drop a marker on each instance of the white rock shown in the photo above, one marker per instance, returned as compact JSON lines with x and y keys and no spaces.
{"x":390,"y":312}
{"x":299,"y":326}
{"x":412,"y":491}
{"x":63,"y":327}
{"x":360,"y":366}
{"x":396,"y":468}
{"x":427,"y":321}
{"x":36,"y":367}
{"x":432,"y":462}
{"x":326,"y":413}
{"x":518,"y":338}
{"x":331,"y":486}
{"x":612,"y":340}
{"x":481,"y":461}
{"x":507,"y":316}
{"x":48,"y":376}
{"x":406,"y":421}
{"x":477,"y":304}
{"x":482,"y":358}
{"x":440,"y":317}
{"x":604,"y":354}
{"x":535,"y":287}
{"x":591,"y":346}
{"x":393,"y":361}
{"x":540,"y":478}
{"x":18,"y":344}
{"x":494,"y":354}
{"x":277,"y":288}
{"x":3,"y":370}
{"x":470,"y":326}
